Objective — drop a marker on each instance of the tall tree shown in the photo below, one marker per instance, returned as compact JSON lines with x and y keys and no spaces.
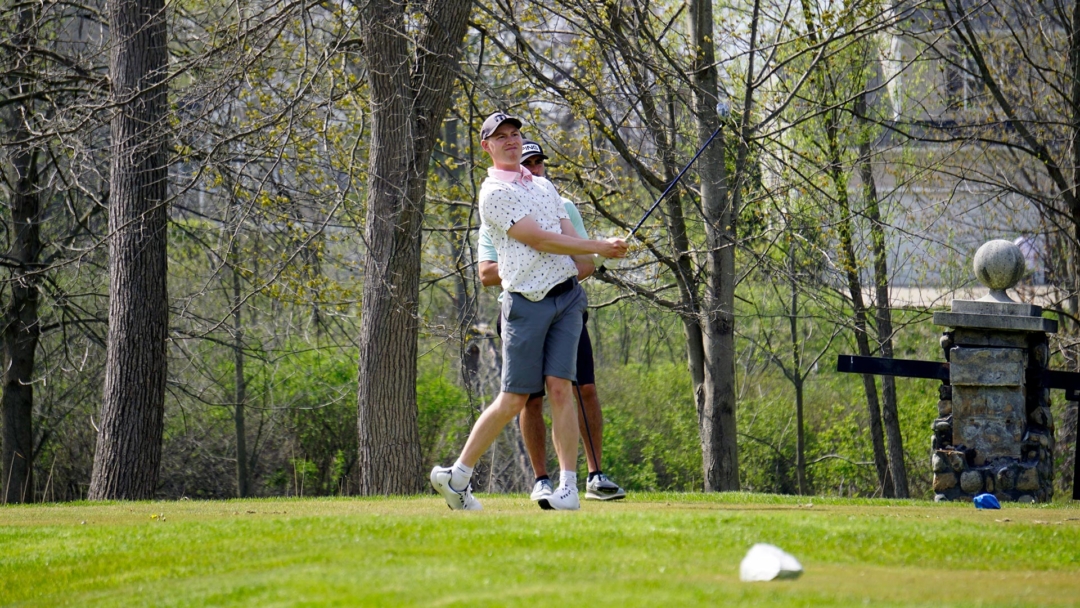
{"x":51,"y":72}
{"x":243,"y":486}
{"x":129,"y":440}
{"x":1012,"y":82}
{"x":410,"y":82}
{"x":882,"y":301}
{"x":838,"y":91}
{"x":719,"y":203}
{"x":20,"y":326}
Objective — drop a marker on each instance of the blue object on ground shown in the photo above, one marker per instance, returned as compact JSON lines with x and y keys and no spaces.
{"x":987,"y":501}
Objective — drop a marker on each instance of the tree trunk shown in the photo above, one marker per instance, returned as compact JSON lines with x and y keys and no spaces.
{"x":20,"y":324}
{"x":1070,"y":195}
{"x":718,"y":433}
{"x":21,"y":331}
{"x":243,"y":489}
{"x":1065,"y":448}
{"x":883,"y":312}
{"x":408,"y":103}
{"x":1073,"y":281}
{"x":873,"y":406}
{"x":797,"y":374}
{"x":129,"y":440}
{"x":850,"y":268}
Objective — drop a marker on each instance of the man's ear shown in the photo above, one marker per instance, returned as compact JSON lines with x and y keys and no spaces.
{"x":484,"y":145}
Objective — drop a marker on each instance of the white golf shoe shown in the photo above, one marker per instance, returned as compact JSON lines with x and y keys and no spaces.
{"x":602,"y":488}
{"x":542,"y":489}
{"x":564,"y":498}
{"x":458,"y":501}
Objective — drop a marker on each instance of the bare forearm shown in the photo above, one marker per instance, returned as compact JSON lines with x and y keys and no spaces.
{"x":553,"y":242}
{"x":529,"y":232}
{"x":489,"y":274}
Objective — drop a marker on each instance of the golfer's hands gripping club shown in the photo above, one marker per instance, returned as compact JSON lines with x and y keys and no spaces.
{"x":613,"y":248}
{"x":616,"y":248}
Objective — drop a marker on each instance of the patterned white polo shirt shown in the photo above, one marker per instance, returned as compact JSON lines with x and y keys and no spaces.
{"x":506,"y":198}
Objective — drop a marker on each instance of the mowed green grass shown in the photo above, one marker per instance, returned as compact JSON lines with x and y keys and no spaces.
{"x":648,"y":550}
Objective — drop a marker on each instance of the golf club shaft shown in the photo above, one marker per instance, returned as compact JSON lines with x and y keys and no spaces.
{"x":588,"y":432}
{"x":675,"y":181}
{"x":601,"y":260}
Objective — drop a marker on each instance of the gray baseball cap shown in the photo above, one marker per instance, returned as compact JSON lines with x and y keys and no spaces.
{"x":530,"y":148}
{"x":492,"y":122}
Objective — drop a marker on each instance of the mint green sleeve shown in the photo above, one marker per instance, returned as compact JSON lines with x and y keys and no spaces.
{"x":575,"y":218}
{"x":485,"y":250}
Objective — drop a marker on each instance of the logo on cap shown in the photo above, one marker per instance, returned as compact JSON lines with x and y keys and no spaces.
{"x":492,"y":122}
{"x":530,"y":148}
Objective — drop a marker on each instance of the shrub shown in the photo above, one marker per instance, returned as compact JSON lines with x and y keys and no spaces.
{"x":650,"y":427}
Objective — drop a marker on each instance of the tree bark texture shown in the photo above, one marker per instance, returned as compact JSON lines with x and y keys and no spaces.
{"x":717,"y":416}
{"x":410,"y":88}
{"x":21,"y":329}
{"x":1070,"y":194}
{"x":1065,"y":448}
{"x":129,"y":440}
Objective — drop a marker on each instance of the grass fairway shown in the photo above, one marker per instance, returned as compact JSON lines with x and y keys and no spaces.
{"x":648,"y":550}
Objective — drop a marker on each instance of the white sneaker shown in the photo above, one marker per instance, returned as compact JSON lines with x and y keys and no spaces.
{"x":564,"y":498}
{"x":458,"y":501}
{"x":602,"y":488}
{"x":542,"y":489}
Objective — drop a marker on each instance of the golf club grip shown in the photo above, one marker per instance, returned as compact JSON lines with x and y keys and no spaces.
{"x":601,"y":260}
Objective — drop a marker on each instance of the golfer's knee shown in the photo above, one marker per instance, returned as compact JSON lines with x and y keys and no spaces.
{"x":510,"y":404}
{"x":559,"y":391}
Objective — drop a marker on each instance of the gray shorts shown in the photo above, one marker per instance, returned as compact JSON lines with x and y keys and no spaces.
{"x":540,"y":339}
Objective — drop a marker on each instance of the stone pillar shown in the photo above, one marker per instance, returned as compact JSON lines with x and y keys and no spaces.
{"x":995,"y":433}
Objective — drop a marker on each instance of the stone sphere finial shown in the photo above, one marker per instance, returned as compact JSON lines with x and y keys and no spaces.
{"x":999,"y":264}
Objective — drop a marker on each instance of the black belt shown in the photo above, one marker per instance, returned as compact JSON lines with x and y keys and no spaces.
{"x":566,"y":286}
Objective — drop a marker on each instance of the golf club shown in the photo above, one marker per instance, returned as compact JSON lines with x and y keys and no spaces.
{"x":722,"y":109}
{"x":588,"y":433}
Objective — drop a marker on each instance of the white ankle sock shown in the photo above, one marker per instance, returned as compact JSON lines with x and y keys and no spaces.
{"x":568,"y":478}
{"x":460,"y":476}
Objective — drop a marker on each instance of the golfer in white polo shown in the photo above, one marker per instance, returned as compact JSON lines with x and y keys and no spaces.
{"x":542,"y":311}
